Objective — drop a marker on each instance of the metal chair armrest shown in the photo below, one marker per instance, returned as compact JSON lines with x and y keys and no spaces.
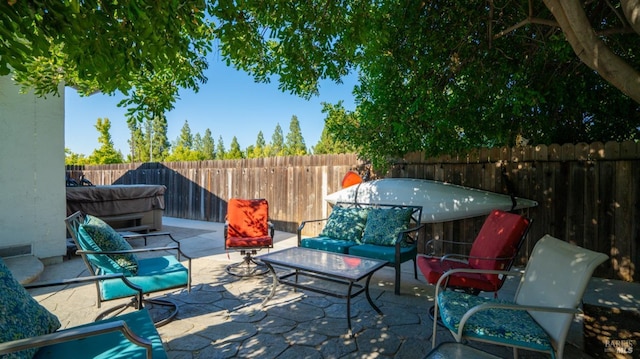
{"x":128,"y":251}
{"x":453,"y":256}
{"x":448,"y":273}
{"x":75,"y":334}
{"x":432,"y":242}
{"x":152,"y":234}
{"x":94,"y":279}
{"x":272,"y":229}
{"x":510,"y":306}
{"x":304,"y":223}
{"x":405,"y":237}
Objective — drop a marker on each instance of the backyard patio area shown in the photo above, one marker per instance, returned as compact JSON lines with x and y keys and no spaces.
{"x":223,"y":316}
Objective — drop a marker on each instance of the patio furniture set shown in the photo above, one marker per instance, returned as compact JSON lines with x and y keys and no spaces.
{"x":356,"y":241}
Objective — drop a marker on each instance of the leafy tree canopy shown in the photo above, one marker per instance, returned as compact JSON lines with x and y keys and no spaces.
{"x":443,"y":76}
{"x":438,"y":76}
{"x":152,"y":47}
{"x":338,"y":119}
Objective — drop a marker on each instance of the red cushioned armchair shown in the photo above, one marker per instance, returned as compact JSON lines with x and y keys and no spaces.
{"x":247,"y":229}
{"x":495,"y":247}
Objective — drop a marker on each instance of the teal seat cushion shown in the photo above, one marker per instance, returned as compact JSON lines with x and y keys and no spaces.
{"x":384,"y":224}
{"x":21,"y":316}
{"x":110,"y":345}
{"x":386,"y":253}
{"x":154,"y":274}
{"x":345,"y":223}
{"x":328,"y":244}
{"x":511,"y":327}
{"x":99,"y":236}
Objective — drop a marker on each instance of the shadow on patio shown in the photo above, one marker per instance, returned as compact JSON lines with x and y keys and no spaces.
{"x":223,"y":316}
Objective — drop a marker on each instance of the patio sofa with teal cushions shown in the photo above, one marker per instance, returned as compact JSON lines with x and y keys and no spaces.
{"x":29,"y":330}
{"x":372,"y":230}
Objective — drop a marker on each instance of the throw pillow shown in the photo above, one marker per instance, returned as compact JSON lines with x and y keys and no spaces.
{"x":346,"y":224}
{"x":21,"y":316}
{"x":107,"y":239}
{"x":384,"y":225}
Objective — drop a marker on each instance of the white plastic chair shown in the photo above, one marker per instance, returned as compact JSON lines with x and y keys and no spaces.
{"x":548,"y":297}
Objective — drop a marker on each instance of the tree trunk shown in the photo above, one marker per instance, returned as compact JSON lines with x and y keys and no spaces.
{"x":591,"y":50}
{"x":631,"y":10}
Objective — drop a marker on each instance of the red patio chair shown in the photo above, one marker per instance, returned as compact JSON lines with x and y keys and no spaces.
{"x":495,"y":248}
{"x":248,"y":230}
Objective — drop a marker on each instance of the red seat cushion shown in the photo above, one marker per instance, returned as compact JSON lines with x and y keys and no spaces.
{"x":249,"y":241}
{"x":433,"y":268}
{"x":499,"y":237}
{"x":248,"y":223}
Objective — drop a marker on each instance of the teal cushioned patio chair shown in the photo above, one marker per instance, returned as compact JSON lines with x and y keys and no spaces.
{"x":538,"y":319}
{"x":106,"y":253}
{"x":28,"y":330}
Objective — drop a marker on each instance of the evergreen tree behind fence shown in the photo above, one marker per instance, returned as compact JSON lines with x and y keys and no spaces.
{"x":588,"y":194}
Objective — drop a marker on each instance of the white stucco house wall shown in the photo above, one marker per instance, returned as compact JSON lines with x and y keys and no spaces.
{"x":32,"y":184}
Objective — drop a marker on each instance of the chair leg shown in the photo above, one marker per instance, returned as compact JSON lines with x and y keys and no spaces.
{"x":169,"y":306}
{"x":435,"y":324}
{"x":114,"y":311}
{"x":158,"y":319}
{"x":249,"y":267}
{"x":432,"y":316}
{"x":397,"y":286}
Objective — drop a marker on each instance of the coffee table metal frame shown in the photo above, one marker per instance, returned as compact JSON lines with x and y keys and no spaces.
{"x":326,"y":267}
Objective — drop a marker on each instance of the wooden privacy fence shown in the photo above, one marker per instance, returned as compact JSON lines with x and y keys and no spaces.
{"x":588,"y":194}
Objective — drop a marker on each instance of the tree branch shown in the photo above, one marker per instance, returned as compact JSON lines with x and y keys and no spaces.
{"x":591,"y":50}
{"x":631,"y":10}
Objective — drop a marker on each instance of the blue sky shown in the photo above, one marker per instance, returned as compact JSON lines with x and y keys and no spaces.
{"x":229,"y":104}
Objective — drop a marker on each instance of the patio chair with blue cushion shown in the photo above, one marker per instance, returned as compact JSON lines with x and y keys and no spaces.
{"x":29,"y":330}
{"x":538,"y":319}
{"x":104,"y":251}
{"x":495,"y":248}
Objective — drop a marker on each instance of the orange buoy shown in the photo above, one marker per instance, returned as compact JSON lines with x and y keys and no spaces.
{"x":350,"y":179}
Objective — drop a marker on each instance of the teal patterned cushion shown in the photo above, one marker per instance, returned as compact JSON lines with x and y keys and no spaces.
{"x":345,"y":223}
{"x":107,"y":239}
{"x":506,"y":326}
{"x":20,"y":315}
{"x":328,"y":244}
{"x":384,"y":225}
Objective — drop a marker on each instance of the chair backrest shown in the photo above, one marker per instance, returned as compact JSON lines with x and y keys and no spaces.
{"x":556,"y":275}
{"x":247,"y":218}
{"x":73,"y":223}
{"x":97,"y":264}
{"x":501,"y":236}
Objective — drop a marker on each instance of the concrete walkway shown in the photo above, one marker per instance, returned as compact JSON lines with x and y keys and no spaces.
{"x":223,"y":317}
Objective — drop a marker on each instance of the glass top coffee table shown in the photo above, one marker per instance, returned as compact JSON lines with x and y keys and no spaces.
{"x":332,"y":274}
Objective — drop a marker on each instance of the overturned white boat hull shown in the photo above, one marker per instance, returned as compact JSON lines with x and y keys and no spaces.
{"x":440,"y":201}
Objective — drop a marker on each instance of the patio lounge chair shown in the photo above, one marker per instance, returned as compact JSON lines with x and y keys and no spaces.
{"x":550,"y":291}
{"x":495,"y":248}
{"x":30,"y":330}
{"x":248,"y":230}
{"x":104,"y":251}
